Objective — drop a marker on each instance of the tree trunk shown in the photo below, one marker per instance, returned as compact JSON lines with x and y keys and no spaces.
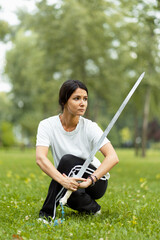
{"x":136,"y":135}
{"x":145,"y":120}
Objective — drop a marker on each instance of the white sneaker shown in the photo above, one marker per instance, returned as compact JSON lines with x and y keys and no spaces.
{"x":43,"y":220}
{"x":98,"y":213}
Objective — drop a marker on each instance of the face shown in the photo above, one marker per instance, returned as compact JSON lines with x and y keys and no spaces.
{"x":77,"y":103}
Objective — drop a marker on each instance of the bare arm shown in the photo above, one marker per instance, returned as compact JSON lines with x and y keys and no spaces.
{"x":110,"y":160}
{"x":45,"y":164}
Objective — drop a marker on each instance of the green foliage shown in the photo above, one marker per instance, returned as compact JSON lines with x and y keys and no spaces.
{"x":7,"y":137}
{"x":126,"y":135}
{"x":4,"y":29}
{"x":105,"y":44}
{"x":5,"y":107}
{"x":129,"y":206}
{"x":114,"y":137}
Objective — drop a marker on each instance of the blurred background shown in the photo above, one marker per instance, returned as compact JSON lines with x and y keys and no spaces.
{"x":106,"y":44}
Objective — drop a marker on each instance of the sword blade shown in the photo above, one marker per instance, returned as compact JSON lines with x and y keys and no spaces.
{"x":109,"y":127}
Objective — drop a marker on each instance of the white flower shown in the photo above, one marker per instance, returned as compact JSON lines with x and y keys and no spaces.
{"x":26,"y":217}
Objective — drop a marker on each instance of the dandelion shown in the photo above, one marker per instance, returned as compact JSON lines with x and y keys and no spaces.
{"x":9,"y":174}
{"x":27,"y":180}
{"x":134,"y":222}
{"x":32,"y":175}
{"x":158,"y":176}
{"x":142,"y":180}
{"x":134,"y":219}
{"x":17,"y":176}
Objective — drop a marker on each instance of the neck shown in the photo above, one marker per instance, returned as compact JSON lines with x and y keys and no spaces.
{"x":69,"y":122}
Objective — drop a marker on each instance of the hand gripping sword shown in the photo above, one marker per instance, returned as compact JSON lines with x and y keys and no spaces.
{"x":63,"y":200}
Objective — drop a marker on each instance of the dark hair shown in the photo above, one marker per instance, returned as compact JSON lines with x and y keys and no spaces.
{"x":66,"y":90}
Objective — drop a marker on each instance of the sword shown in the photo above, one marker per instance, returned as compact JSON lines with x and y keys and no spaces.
{"x":64,"y":199}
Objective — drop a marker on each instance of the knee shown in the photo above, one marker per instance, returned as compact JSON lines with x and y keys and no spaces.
{"x":66,"y":162}
{"x":83,"y":202}
{"x":66,"y":158}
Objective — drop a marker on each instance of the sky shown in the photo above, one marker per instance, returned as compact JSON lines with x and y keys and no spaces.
{"x":8,"y":9}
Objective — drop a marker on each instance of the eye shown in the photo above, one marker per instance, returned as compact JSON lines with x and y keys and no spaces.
{"x":76,"y":98}
{"x":85,"y":99}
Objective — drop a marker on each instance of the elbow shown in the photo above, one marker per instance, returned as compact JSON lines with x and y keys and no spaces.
{"x":116,"y":160}
{"x":39,"y":160}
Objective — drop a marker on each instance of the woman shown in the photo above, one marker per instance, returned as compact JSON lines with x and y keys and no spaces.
{"x":72,"y":138}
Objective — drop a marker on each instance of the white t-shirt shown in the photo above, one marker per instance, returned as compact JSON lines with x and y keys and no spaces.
{"x":78,"y":142}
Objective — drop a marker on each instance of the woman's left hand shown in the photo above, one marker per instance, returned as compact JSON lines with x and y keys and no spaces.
{"x":85,"y":184}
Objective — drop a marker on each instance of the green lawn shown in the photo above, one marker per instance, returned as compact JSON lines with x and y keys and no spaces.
{"x":130,"y":207}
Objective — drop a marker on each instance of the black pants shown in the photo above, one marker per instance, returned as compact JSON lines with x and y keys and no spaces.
{"x":82,"y":200}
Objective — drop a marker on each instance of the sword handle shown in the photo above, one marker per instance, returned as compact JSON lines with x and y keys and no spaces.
{"x":64,"y":199}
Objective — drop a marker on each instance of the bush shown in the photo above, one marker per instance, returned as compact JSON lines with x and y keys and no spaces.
{"x":7,"y":137}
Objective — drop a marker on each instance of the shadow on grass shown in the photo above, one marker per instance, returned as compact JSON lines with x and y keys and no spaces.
{"x":105,"y":214}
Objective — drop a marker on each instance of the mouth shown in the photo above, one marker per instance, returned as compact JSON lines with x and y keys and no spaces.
{"x":82,"y":110}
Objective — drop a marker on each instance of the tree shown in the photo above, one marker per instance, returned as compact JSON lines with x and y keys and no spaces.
{"x":5,"y":108}
{"x":4,"y":29}
{"x":100,"y":43}
{"x":26,"y":80}
{"x":7,"y":136}
{"x":53,"y":52}
{"x":149,"y":47}
{"x":140,"y":38}
{"x":154,"y":131}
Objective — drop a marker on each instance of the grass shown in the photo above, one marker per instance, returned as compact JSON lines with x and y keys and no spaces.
{"x":130,"y":207}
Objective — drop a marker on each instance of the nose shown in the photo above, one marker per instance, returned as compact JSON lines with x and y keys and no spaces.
{"x":82,"y":102}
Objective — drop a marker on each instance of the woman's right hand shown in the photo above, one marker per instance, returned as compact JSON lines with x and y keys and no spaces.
{"x":71,"y":183}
